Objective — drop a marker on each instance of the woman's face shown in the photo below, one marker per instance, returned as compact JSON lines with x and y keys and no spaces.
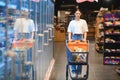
{"x":77,"y":14}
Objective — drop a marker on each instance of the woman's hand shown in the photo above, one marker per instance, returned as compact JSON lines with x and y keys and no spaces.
{"x":70,"y":40}
{"x":84,"y":40}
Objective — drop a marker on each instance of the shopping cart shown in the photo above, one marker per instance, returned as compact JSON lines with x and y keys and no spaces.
{"x":24,"y":63}
{"x":77,"y":54}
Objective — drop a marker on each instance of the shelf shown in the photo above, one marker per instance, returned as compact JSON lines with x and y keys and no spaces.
{"x":117,"y":42}
{"x":112,"y":26}
{"x":110,"y":63}
{"x":111,"y":43}
{"x":112,"y":34}
{"x":111,"y":46}
{"x":111,"y":53}
{"x":111,"y":40}
{"x":112,"y":60}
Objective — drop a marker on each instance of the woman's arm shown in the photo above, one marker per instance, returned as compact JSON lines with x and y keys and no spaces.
{"x":32,"y":36}
{"x":85,"y":36}
{"x":69,"y":36}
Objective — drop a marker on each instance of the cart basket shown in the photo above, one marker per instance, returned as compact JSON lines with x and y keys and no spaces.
{"x":77,"y":52}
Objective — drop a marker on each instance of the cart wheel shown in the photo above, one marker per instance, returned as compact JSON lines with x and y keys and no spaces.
{"x":69,"y":74}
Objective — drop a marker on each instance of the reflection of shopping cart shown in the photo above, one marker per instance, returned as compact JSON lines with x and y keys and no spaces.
{"x":77,"y":54}
{"x":25,"y":67}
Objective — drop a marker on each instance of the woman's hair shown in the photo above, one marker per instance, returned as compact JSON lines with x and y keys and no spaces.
{"x":24,"y":13}
{"x":78,"y":10}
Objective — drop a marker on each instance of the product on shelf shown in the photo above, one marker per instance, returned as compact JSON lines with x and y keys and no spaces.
{"x":108,"y":23}
{"x":117,"y":23}
{"x":108,"y":40}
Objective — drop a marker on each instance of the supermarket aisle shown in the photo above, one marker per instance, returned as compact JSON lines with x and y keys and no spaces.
{"x":97,"y":70}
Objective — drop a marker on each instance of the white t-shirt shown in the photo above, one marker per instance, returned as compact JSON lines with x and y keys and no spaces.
{"x":78,"y":27}
{"x":23,"y":25}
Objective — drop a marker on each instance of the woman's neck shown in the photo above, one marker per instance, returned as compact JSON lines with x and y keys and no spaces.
{"x":77,"y":19}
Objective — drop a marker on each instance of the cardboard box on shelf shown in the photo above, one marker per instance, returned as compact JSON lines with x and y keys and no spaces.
{"x":59,"y":35}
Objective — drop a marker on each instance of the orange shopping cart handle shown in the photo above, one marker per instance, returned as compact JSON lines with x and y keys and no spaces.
{"x":77,"y":44}
{"x":22,"y":43}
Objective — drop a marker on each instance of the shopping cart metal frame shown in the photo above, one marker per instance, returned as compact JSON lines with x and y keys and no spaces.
{"x":69,"y":62}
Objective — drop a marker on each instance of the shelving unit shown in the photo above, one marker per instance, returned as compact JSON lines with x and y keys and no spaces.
{"x":111,"y":39}
{"x":99,"y":32}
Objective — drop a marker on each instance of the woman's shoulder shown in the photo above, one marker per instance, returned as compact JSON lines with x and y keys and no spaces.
{"x":72,"y":21}
{"x":83,"y":20}
{"x":30,"y":20}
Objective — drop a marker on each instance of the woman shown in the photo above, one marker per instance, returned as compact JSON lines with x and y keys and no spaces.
{"x":77,"y":30}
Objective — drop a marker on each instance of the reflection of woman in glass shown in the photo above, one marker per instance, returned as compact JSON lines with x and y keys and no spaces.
{"x":24,"y":27}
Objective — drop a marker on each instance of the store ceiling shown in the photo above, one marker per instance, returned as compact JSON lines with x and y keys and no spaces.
{"x":65,"y":4}
{"x":70,"y":5}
